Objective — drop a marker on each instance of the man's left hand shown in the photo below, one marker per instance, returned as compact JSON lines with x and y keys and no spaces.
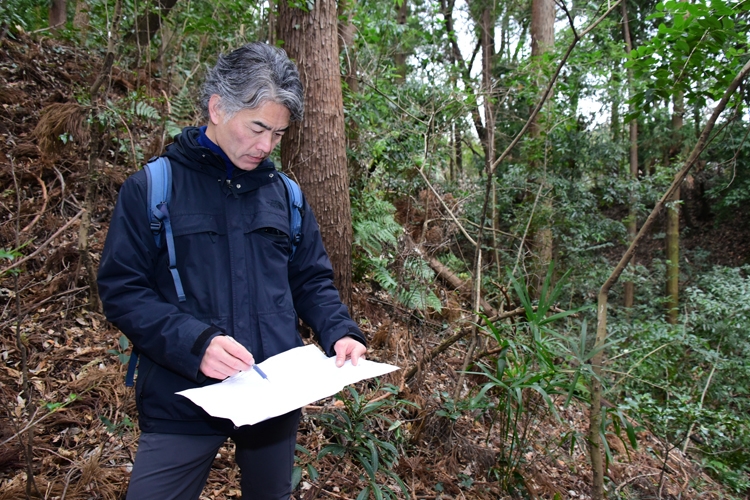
{"x":348,"y":348}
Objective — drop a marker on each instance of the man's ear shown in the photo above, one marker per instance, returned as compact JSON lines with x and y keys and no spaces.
{"x":215,"y":113}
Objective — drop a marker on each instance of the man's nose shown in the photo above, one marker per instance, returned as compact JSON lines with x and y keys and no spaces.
{"x":265,"y":144}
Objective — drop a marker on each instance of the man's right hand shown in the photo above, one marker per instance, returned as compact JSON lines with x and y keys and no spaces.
{"x":225,"y":357}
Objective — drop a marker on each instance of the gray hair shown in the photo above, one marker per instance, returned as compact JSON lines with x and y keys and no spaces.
{"x":251,"y":76}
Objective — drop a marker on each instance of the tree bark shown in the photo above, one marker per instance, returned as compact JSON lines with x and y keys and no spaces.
{"x":488,"y":51}
{"x":81,"y":17}
{"x":272,"y":29}
{"x":57,"y":13}
{"x":542,"y":41}
{"x":146,"y":25}
{"x":314,"y":150}
{"x":629,"y":298}
{"x":348,"y":50}
{"x":673,"y":219}
{"x":673,"y":257}
{"x":401,"y":51}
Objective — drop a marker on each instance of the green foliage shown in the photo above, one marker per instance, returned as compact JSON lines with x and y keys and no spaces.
{"x":117,"y":428}
{"x":355,"y":435}
{"x":305,"y":463}
{"x":693,"y":377}
{"x":376,"y":235}
{"x":53,"y":407}
{"x":534,"y":363}
{"x":695,"y":41}
{"x":122,"y":346}
{"x":10,"y":255}
{"x":24,"y":15}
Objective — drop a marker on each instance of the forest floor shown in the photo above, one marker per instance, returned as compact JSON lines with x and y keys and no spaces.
{"x":78,"y":431}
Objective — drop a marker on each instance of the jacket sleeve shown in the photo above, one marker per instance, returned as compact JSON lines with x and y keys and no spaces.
{"x":316,"y":299}
{"x":129,"y":284}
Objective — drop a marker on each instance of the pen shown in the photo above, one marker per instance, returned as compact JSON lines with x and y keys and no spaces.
{"x":260,"y":372}
{"x":255,"y":366}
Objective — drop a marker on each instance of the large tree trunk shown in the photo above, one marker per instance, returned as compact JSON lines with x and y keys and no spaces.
{"x":542,"y":41}
{"x":632,"y":210}
{"x":314,"y":150}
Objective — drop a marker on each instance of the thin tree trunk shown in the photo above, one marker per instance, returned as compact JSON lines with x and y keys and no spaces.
{"x":542,"y":41}
{"x":595,"y":415}
{"x":348,"y":50}
{"x":673,"y":219}
{"x":314,"y":150}
{"x":401,"y":50}
{"x":673,"y":257}
{"x":488,"y":51}
{"x":632,"y":208}
{"x":94,"y":153}
{"x":272,"y":29}
{"x":57,"y":13}
{"x":146,"y":25}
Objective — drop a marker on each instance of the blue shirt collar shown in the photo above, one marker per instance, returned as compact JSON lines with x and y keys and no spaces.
{"x":204,"y":141}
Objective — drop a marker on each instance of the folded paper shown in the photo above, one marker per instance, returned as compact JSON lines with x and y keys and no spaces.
{"x":296,"y":378}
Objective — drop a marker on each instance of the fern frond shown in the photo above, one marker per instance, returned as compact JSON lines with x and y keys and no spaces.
{"x":172,"y":128}
{"x":145,"y":110}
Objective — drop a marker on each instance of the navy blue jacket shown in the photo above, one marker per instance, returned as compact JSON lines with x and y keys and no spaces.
{"x":233,"y":245}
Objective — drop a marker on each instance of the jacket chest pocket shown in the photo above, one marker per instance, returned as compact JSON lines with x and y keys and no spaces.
{"x":199,"y":238}
{"x":212,"y":226}
{"x":269,"y":230}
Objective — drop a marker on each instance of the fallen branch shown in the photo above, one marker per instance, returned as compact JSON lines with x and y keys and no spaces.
{"x":444,"y":345}
{"x":43,"y":245}
{"x":450,"y":277}
{"x":45,"y":199}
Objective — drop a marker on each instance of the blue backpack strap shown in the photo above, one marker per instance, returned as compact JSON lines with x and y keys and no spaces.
{"x":296,"y":212}
{"x":132,"y":364}
{"x":159,"y":174}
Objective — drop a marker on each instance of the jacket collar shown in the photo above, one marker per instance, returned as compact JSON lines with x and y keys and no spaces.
{"x":187,"y":151}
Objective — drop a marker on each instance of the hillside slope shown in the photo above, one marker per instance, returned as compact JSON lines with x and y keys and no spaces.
{"x":77,"y":433}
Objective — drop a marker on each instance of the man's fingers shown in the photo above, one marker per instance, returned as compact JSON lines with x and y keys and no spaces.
{"x":356,"y":356}
{"x":358,"y":352}
{"x":238,"y":351}
{"x":225,"y":357}
{"x":348,"y":347}
{"x":340,"y":357}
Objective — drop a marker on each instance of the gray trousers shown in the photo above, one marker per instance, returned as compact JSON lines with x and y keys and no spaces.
{"x":176,"y":466}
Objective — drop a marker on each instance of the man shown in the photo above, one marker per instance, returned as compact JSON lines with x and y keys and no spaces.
{"x":229,"y":216}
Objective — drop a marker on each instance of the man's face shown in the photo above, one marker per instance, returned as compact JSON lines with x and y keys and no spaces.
{"x":250,"y":135}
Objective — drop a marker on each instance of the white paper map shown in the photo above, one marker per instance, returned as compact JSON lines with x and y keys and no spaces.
{"x":296,"y":378}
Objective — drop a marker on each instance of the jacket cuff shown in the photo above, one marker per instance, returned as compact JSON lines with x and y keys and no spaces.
{"x":199,"y":346}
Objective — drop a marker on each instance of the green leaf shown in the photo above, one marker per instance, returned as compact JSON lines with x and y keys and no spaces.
{"x":364,"y":494}
{"x":332,"y":449}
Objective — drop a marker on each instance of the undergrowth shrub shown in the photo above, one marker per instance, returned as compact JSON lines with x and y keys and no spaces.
{"x":690,"y":382}
{"x":408,"y":279}
{"x":362,"y":432}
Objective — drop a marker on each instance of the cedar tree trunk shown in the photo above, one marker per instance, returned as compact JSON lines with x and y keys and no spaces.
{"x":314,"y":150}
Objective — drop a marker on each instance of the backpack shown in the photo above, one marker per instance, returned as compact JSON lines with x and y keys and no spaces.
{"x":159,"y":176}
